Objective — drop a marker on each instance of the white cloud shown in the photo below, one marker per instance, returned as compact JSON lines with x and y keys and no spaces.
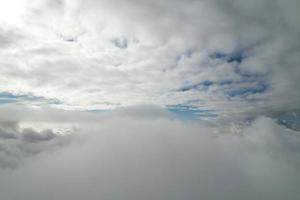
{"x":67,"y":50}
{"x":140,"y":153}
{"x":237,"y":59}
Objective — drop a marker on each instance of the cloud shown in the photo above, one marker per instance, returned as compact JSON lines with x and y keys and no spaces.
{"x":17,"y":144}
{"x":127,"y":53}
{"x":122,"y":156}
{"x":8,"y":38}
{"x":87,"y":87}
{"x":29,"y":135}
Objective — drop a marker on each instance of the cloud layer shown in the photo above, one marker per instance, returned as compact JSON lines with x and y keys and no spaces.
{"x":233,"y":60}
{"x":148,"y":157}
{"x":230,"y":56}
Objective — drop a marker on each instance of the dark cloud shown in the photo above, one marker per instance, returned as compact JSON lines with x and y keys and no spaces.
{"x":121,"y":43}
{"x":30,"y":135}
{"x":17,"y":144}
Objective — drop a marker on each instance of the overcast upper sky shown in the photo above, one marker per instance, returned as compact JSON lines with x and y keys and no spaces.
{"x":149,"y":99}
{"x":224,"y":56}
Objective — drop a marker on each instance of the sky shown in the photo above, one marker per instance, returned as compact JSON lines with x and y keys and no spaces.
{"x":136,"y":99}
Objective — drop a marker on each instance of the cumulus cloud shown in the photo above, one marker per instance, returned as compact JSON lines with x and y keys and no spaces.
{"x":17,"y":144}
{"x":129,"y":157}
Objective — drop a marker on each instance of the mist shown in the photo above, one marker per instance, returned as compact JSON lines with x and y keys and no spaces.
{"x":122,"y":156}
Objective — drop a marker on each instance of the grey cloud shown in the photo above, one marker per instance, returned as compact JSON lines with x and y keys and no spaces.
{"x":277,"y":43}
{"x":8,"y":130}
{"x":7,"y":135}
{"x":14,"y":113}
{"x":121,"y":43}
{"x":30,"y":135}
{"x":18,"y":144}
{"x":260,"y":24}
{"x":141,"y":111}
{"x":9,"y":38}
{"x":160,"y":158}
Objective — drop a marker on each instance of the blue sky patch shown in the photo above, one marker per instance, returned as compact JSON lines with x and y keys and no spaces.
{"x":226,"y":82}
{"x":236,"y":56}
{"x":260,"y":88}
{"x":191,"y":113}
{"x":202,"y":86}
{"x":7,"y":98}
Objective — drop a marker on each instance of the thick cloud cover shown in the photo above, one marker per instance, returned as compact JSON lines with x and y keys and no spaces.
{"x":236,"y":61}
{"x":233,"y":56}
{"x":157,"y":157}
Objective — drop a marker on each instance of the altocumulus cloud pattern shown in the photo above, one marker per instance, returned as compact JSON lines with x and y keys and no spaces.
{"x":149,"y":100}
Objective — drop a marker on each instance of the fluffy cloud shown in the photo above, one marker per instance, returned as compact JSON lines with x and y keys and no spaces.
{"x":153,"y":156}
{"x":17,"y":144}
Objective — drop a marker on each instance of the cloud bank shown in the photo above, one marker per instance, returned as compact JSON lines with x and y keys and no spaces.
{"x":155,"y":157}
